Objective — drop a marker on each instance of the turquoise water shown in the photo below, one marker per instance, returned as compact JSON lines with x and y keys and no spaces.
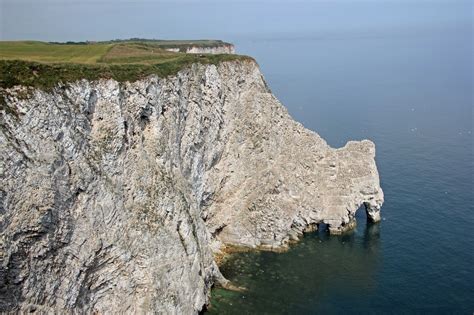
{"x":411,"y":92}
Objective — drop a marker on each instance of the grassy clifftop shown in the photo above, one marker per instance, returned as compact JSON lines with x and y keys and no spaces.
{"x":43,"y":65}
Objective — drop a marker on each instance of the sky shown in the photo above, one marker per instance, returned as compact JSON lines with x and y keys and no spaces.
{"x":72,"y":20}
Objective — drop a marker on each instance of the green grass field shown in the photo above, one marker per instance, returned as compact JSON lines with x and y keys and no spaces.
{"x":45,"y":52}
{"x":43,"y":65}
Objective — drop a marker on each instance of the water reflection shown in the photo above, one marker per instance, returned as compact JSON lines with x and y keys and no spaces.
{"x":311,"y":277}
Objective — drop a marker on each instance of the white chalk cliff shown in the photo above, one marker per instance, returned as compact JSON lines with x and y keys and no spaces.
{"x":218,"y":49}
{"x":221,"y":49}
{"x":116,"y":196}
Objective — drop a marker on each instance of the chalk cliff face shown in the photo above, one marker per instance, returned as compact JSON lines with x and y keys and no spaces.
{"x":221,"y":49}
{"x":115,"y":196}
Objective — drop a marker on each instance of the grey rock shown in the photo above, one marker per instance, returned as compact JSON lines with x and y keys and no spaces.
{"x":116,"y":196}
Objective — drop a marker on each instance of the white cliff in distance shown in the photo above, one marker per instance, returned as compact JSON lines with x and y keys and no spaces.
{"x":223,"y":48}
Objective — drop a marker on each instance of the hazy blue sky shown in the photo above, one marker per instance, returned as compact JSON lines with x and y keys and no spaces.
{"x":55,"y":20}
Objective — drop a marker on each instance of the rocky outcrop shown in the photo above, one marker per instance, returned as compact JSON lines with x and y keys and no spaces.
{"x":220,"y":49}
{"x":115,"y":196}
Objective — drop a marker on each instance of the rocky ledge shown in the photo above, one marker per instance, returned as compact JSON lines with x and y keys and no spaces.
{"x":115,"y":196}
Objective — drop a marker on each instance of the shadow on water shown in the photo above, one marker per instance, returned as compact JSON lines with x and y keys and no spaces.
{"x":318,"y":274}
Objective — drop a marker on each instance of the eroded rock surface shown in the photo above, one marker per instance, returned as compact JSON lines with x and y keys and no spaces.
{"x":114,"y":196}
{"x":218,"y":49}
{"x":222,"y":49}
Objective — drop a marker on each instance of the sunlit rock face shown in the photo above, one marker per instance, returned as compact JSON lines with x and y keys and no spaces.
{"x":115,"y":196}
{"x":221,"y":49}
{"x":218,"y":49}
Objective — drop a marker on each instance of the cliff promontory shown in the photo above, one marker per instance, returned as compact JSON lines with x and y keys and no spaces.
{"x":116,"y":196}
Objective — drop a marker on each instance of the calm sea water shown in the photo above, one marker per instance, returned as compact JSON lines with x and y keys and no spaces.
{"x":410,"y":90}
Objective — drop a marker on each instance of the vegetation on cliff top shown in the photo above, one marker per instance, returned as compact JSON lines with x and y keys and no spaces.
{"x":43,"y":65}
{"x":182,"y":45}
